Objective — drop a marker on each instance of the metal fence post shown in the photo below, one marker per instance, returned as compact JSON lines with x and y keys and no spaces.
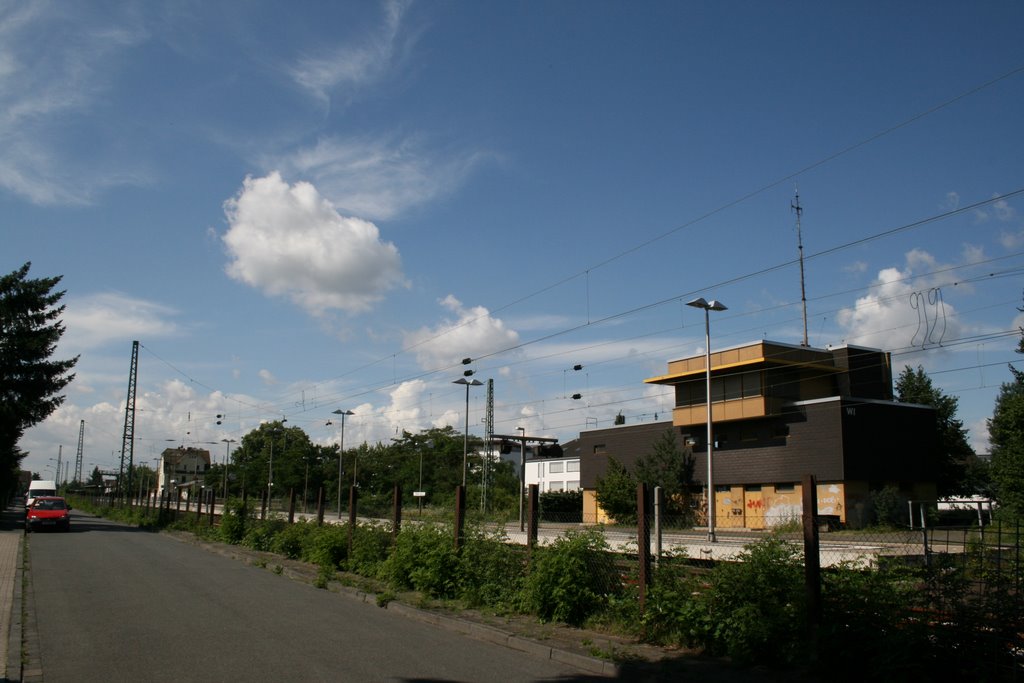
{"x":532,"y":518}
{"x":812,"y":559}
{"x":353,"y":499}
{"x":643,"y":542}
{"x":291,"y":506}
{"x":659,"y":504}
{"x":320,"y":507}
{"x":396,"y":514}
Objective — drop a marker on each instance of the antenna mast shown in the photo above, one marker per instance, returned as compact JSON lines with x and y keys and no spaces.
{"x":795,"y":206}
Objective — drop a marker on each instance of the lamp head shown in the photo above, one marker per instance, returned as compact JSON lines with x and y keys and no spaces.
{"x":713,"y":305}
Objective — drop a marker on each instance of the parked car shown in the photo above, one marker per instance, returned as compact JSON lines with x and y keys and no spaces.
{"x":48,"y":512}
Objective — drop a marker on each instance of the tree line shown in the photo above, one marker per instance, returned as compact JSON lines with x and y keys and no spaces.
{"x":31,"y":382}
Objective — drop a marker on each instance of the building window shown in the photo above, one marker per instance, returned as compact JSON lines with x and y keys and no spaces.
{"x":752,"y":384}
{"x":555,"y":467}
{"x":599,"y":448}
{"x":733,"y":387}
{"x":540,"y":470}
{"x":556,"y":486}
{"x":572,"y":485}
{"x":572,"y":466}
{"x":785,"y":488}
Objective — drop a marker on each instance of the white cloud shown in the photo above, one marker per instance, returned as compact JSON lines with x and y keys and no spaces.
{"x":1000,"y":210}
{"x":290,"y":241}
{"x":977,"y":435}
{"x":904,"y":309}
{"x":379,"y":178}
{"x":856,"y":268}
{"x":268,"y":377}
{"x":472,"y":333}
{"x":1012,"y":240}
{"x":350,"y":66}
{"x":96,"y":320}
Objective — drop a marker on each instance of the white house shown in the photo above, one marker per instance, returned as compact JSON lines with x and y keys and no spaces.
{"x":180,"y":467}
{"x":554,"y":473}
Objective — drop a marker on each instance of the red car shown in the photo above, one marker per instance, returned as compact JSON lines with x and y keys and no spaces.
{"x":48,"y":512}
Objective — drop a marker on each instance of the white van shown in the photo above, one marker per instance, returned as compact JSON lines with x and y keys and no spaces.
{"x":38,"y":488}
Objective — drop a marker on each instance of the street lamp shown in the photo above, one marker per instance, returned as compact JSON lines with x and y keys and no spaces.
{"x":465,"y":433}
{"x":227,"y":458}
{"x":270,"y":470}
{"x":341,"y":451}
{"x":709,"y":306}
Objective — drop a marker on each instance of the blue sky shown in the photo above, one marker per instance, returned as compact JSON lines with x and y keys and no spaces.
{"x":305,"y":207}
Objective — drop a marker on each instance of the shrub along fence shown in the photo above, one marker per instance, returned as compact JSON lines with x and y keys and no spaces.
{"x":903,"y":604}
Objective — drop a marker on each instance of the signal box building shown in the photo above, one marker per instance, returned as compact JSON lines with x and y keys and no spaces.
{"x":780,"y":412}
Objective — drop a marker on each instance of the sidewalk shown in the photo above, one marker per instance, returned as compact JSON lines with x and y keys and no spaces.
{"x":12,"y":534}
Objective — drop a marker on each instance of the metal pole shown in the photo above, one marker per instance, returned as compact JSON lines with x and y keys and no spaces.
{"x":270,"y":473}
{"x":341,"y":454}
{"x":465,"y":440}
{"x":711,"y":444}
{"x":522,"y":475}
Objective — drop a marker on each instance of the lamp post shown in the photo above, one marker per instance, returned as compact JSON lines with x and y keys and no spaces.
{"x":270,"y":471}
{"x":522,"y":475}
{"x":341,"y":452}
{"x":709,"y":306}
{"x":227,"y":458}
{"x":465,"y":433}
{"x":429,"y":443}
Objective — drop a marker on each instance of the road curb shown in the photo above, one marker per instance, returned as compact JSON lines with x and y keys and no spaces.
{"x":497,"y":636}
{"x":12,"y":666}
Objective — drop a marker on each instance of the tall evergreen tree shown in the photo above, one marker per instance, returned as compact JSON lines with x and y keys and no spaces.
{"x":30,"y":381}
{"x":1006,"y":437}
{"x":671,"y":468}
{"x":616,"y":493}
{"x":955,"y":454}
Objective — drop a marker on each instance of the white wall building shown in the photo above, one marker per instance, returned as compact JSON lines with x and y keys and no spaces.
{"x":554,"y":474}
{"x":182,"y":466}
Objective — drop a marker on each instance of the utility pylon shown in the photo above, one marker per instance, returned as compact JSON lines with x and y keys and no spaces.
{"x":124,"y":484}
{"x":78,"y":456}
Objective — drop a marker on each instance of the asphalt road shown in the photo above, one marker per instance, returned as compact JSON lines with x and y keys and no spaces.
{"x":113,"y":603}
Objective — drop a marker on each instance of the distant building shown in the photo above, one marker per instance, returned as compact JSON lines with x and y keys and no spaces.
{"x":555,"y":469}
{"x":780,"y":412}
{"x":181,"y":467}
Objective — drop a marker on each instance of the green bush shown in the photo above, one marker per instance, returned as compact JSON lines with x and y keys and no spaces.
{"x":291,"y":540}
{"x":370,"y":545}
{"x":326,"y":546}
{"x":561,"y":506}
{"x":870,"y":608}
{"x":571,"y":579}
{"x":752,"y":610}
{"x":234,"y":521}
{"x":491,"y":571}
{"x":424,"y":559}
{"x":668,"y":608}
{"x":259,"y":535}
{"x":889,"y":507}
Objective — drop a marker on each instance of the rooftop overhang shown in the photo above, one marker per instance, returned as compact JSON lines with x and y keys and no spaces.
{"x":747,"y":364}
